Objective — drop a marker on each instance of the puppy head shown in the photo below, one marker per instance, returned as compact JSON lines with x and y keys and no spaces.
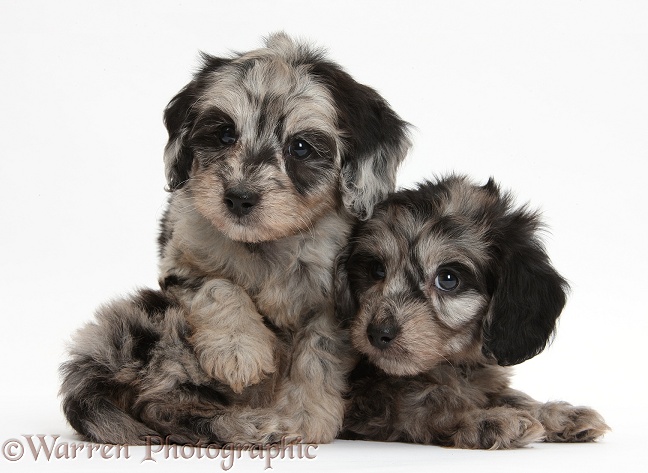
{"x":267,"y":141}
{"x":449,"y":272}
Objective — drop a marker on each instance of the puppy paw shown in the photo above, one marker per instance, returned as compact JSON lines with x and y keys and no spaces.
{"x":261,"y":427}
{"x":566,"y":423}
{"x":238,"y":360}
{"x":498,"y":428}
{"x":317,"y":424}
{"x":228,"y":335}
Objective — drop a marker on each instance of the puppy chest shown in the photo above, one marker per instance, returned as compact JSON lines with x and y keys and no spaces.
{"x":287,"y":297}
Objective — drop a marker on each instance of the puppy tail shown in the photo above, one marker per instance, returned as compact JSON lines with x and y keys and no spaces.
{"x":100,"y":381}
{"x":93,"y":414}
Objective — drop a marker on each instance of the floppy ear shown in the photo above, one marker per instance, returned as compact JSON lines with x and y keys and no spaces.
{"x":528,"y":293}
{"x":346,"y":306}
{"x":375,"y":140}
{"x":179,"y":117}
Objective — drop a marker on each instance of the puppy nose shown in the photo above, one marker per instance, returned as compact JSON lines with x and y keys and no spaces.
{"x":381,"y":335}
{"x":240,"y":201}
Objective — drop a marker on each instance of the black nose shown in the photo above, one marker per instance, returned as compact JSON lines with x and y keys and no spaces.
{"x":240,"y":201}
{"x":381,"y":335}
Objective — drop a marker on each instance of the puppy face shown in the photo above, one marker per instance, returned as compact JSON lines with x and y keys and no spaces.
{"x":265,"y":143}
{"x":445,"y":273}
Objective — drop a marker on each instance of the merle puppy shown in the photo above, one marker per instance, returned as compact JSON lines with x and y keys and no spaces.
{"x":442,"y":288}
{"x":272,"y":155}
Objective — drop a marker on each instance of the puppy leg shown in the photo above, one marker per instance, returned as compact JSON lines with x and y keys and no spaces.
{"x":259,"y":426}
{"x":431,"y":409}
{"x":566,"y":423}
{"x":310,"y":398}
{"x":228,"y":335}
{"x":562,"y":421}
{"x":497,"y":428}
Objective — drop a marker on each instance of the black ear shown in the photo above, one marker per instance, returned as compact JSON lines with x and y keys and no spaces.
{"x":528,"y":293}
{"x":375,"y":140}
{"x":346,"y":306}
{"x":179,"y":118}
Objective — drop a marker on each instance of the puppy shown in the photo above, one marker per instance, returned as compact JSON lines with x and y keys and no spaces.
{"x":272,"y":155}
{"x":441,"y":289}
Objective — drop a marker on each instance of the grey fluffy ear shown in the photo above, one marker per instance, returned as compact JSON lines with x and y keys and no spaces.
{"x":376,"y":140}
{"x":179,"y":117}
{"x":528,"y":293}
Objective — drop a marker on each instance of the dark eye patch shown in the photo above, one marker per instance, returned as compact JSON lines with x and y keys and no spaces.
{"x":309,"y":159}
{"x":213,"y":130}
{"x":365,"y":269}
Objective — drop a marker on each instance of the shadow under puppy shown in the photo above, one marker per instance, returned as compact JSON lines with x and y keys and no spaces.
{"x":442,"y":288}
{"x":272,"y":155}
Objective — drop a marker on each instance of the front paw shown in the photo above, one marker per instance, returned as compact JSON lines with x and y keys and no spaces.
{"x":263,"y":427}
{"x":566,"y":423}
{"x":238,"y":360}
{"x":498,"y":428}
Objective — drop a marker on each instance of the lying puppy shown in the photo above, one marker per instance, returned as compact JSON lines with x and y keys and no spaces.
{"x":443,"y":287}
{"x":272,"y":155}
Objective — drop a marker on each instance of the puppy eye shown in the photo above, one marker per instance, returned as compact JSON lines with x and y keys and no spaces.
{"x":299,"y":149}
{"x":377,"y":271}
{"x":227,"y":134}
{"x":446,"y":281}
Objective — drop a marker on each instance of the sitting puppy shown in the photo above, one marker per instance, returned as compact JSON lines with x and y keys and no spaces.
{"x":441,"y":289}
{"x":272,"y":155}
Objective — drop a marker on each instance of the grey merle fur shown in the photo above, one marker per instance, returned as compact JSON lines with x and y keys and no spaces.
{"x":441,"y":289}
{"x":272,"y":156}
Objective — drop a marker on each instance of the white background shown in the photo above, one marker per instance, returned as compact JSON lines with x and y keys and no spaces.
{"x":550,"y":98}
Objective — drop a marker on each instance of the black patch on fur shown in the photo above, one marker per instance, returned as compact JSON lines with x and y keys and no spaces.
{"x":144,"y":340}
{"x":180,"y":115}
{"x":153,"y":302}
{"x":267,"y":109}
{"x":345,"y":298}
{"x":264,"y":155}
{"x":280,"y":333}
{"x":280,"y":127}
{"x":172,"y":280}
{"x":166,"y":233}
{"x":205,"y":393}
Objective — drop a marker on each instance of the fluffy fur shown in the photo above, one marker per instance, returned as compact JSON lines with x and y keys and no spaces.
{"x":443,"y":287}
{"x":272,"y":155}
